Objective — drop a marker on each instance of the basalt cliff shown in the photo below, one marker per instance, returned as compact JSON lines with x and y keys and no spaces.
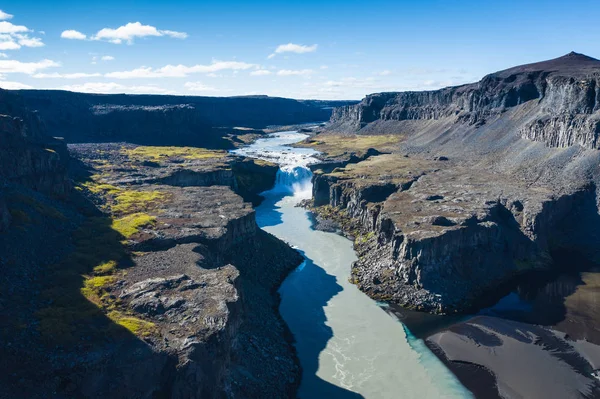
{"x":473,"y":185}
{"x":166,"y":120}
{"x":134,"y":271}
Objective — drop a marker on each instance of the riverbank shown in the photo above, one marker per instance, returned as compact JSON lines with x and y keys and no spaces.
{"x":348,"y":346}
{"x":374,"y":199}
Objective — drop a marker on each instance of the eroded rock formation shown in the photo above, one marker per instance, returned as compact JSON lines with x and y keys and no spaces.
{"x":489,"y":180}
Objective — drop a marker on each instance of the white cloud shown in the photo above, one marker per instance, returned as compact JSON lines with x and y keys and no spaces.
{"x":132,"y":30}
{"x":176,"y":35}
{"x":31,"y":42}
{"x":9,"y":45}
{"x":13,"y":37}
{"x":107,"y":58}
{"x":29,"y":68}
{"x":179,"y":71}
{"x":385,"y":73}
{"x":297,"y":72}
{"x":199,"y":87}
{"x":73,"y":34}
{"x":260,"y":72}
{"x":323,"y":67}
{"x":56,"y":75}
{"x":7,"y":27}
{"x":3,"y":55}
{"x":293,"y":48}
{"x":14,"y":85}
{"x":112,"y":87}
{"x":4,"y":15}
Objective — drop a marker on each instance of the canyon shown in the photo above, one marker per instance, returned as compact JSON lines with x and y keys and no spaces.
{"x":133,"y":264}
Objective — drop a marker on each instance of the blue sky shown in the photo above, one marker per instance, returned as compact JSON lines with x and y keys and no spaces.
{"x":299,"y":49}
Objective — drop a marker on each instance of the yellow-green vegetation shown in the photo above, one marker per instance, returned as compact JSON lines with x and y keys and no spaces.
{"x":161,"y":153}
{"x":135,"y":325}
{"x":131,"y":224}
{"x":128,"y":201}
{"x":98,"y":282}
{"x":336,"y":145}
{"x":101,"y":188}
{"x":77,"y":288}
{"x":364,"y":238}
{"x":106,"y":268}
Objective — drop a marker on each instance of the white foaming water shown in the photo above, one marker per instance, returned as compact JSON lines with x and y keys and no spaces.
{"x":348,"y":346}
{"x":294,"y":176}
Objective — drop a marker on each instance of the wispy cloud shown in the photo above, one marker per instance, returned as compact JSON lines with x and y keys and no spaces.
{"x":107,"y":58}
{"x":56,"y":75}
{"x":113,"y":87}
{"x":260,"y":72}
{"x":29,"y":68}
{"x":129,"y":32}
{"x":295,"y":72}
{"x":199,"y":87}
{"x":13,"y":37}
{"x":5,"y":15}
{"x":179,"y":71}
{"x":293,"y":48}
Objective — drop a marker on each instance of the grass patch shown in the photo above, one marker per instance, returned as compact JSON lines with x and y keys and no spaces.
{"x":128,"y":201}
{"x":162,"y":153}
{"x":76,"y":289}
{"x":135,"y":325}
{"x":101,"y":188}
{"x":337,"y":145}
{"x":131,"y":224}
{"x":106,"y":268}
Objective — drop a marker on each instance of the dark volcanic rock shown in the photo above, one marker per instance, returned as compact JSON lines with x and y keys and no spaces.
{"x":165,"y":120}
{"x":30,"y":158}
{"x":518,"y":182}
{"x":565,"y":89}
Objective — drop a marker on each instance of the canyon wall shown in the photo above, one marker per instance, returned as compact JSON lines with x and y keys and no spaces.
{"x":489,"y":181}
{"x":566,"y":91}
{"x":165,"y":120}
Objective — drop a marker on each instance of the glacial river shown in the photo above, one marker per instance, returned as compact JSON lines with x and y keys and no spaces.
{"x":348,"y":345}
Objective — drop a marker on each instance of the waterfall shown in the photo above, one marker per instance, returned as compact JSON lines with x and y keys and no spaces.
{"x":294,"y":179}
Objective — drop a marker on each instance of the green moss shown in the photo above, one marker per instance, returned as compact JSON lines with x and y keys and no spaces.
{"x":106,"y":268}
{"x":161,"y":153}
{"x":99,"y":281}
{"x":129,"y":201}
{"x":131,"y":224}
{"x":133,"y":324}
{"x":101,"y":188}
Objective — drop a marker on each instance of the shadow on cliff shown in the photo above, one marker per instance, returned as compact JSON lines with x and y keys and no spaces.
{"x":80,"y":324}
{"x":541,"y":297}
{"x":305,"y":294}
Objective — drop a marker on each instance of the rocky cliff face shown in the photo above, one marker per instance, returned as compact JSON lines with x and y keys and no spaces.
{"x":28,"y":155}
{"x":172,"y":287}
{"x":566,"y":92}
{"x":165,"y":120}
{"x":489,"y":181}
{"x":439,"y":239}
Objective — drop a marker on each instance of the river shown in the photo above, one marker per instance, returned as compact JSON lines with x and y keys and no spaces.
{"x":348,"y":345}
